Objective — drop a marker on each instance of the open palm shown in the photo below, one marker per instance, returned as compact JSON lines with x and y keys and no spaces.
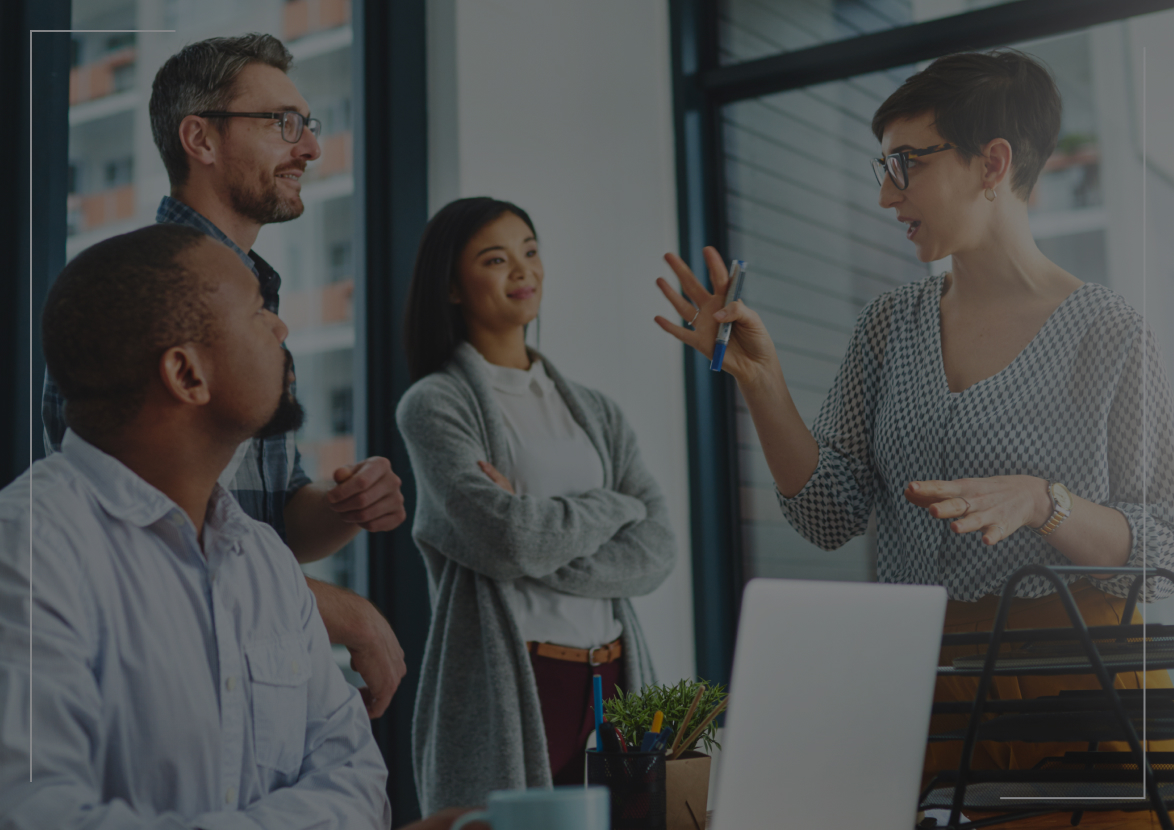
{"x":751,"y":349}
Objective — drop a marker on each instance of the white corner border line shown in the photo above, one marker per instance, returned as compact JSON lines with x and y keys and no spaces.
{"x":31,"y":378}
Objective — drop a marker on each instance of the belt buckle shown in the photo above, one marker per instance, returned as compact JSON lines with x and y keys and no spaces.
{"x":591,"y":656}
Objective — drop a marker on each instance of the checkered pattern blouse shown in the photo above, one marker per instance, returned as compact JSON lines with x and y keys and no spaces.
{"x":1086,"y":403}
{"x":271,"y":471}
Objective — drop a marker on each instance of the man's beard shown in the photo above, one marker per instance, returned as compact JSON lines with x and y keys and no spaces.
{"x":289,"y":414}
{"x":264,"y":203}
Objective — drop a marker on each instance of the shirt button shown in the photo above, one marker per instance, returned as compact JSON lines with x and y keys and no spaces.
{"x":229,"y":796}
{"x":230,"y":683}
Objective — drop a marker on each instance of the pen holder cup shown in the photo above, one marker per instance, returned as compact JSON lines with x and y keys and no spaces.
{"x":637,"y":781}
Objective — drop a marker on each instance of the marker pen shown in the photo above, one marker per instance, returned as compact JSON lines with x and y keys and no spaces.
{"x":597,"y":688}
{"x":737,"y":277}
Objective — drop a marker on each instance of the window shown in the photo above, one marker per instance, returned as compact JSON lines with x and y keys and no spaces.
{"x":774,"y":107}
{"x":759,"y":28}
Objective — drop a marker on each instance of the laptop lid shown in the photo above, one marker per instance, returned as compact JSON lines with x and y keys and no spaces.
{"x":829,"y":705}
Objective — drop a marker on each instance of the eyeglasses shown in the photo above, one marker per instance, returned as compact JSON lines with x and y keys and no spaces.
{"x":291,"y":122}
{"x":897,"y":164}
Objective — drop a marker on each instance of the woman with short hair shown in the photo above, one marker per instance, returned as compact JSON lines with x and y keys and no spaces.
{"x":1024,"y":406}
{"x":535,"y":515}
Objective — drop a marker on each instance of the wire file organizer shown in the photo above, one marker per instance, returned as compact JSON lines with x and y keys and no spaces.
{"x":1075,"y":781}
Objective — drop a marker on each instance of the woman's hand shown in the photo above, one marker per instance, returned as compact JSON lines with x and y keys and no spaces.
{"x":998,"y":506}
{"x":496,"y":477}
{"x":751,"y":352}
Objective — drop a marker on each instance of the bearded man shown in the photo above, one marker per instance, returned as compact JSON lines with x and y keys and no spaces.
{"x":167,"y":667}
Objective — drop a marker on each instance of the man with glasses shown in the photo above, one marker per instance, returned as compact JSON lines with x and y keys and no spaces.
{"x":235,"y":136}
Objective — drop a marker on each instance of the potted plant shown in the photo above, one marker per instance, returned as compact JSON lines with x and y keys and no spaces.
{"x":687,"y":767}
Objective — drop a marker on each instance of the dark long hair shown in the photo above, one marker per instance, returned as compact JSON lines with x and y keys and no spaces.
{"x":433,"y":325}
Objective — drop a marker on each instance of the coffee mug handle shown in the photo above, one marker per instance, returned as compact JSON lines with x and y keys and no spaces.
{"x":476,"y":815}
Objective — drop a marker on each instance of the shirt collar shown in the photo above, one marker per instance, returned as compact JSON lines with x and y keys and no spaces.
{"x":175,"y":212}
{"x":126,"y":496}
{"x":509,"y":380}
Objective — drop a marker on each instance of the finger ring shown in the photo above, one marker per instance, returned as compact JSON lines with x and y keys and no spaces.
{"x":695,"y":316}
{"x":965,"y":502}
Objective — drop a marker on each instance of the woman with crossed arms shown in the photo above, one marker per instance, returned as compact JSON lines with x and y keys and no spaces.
{"x":536,"y":517}
{"x":992,"y":416}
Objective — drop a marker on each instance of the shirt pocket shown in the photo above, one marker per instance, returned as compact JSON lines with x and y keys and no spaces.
{"x":280,"y":672}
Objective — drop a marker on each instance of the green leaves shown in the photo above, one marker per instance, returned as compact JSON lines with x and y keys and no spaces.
{"x":632,"y":713}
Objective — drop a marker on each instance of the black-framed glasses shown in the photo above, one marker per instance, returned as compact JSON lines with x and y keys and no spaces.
{"x":292,"y":122}
{"x":896,"y":165}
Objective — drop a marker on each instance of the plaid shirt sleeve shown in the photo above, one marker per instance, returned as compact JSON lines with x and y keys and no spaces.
{"x":53,"y":415}
{"x":297,"y":477}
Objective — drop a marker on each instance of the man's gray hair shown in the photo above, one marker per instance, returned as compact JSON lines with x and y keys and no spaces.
{"x":200,"y":77}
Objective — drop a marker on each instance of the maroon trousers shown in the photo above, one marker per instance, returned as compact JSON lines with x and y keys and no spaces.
{"x":568,"y":710}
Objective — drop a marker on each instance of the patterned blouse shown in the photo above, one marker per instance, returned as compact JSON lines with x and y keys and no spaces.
{"x":1074,"y":407}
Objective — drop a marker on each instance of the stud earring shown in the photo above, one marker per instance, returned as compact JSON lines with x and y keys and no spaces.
{"x":990,"y":194}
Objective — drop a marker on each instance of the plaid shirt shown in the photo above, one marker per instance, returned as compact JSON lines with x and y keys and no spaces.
{"x":270,"y":471}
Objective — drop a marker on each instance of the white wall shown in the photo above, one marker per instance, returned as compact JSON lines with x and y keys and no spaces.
{"x":565,"y":108}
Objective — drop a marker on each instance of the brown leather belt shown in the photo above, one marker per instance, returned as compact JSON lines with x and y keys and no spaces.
{"x":594,"y":657}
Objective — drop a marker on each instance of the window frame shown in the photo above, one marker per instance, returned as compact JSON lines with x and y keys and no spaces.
{"x":391,"y":204}
{"x":33,"y":243}
{"x":702,"y":86}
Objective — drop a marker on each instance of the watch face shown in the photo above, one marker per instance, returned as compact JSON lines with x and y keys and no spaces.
{"x":1061,"y":497}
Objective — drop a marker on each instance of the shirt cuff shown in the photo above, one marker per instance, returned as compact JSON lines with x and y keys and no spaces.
{"x":784,"y":501}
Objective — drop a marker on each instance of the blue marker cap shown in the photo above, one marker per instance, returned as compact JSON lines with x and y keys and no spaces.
{"x":719,"y":352}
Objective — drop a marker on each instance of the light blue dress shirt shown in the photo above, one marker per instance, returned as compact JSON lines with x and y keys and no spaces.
{"x":171,"y":687}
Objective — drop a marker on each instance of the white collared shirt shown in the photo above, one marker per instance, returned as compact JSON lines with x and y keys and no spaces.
{"x":551,"y":456}
{"x":174,"y":685}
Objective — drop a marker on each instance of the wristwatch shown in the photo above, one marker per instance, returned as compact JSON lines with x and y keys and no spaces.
{"x":1061,"y":508}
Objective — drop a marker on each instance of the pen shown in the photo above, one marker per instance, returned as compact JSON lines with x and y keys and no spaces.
{"x":653,"y":734}
{"x":737,"y":277}
{"x":661,"y":742}
{"x":598,"y":682}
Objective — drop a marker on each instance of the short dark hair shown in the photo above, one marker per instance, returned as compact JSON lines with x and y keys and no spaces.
{"x":433,"y":325}
{"x":110,"y":315}
{"x":200,"y":77}
{"x":979,"y":96}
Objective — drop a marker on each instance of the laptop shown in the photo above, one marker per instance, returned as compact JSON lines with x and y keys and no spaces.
{"x":829,"y":705}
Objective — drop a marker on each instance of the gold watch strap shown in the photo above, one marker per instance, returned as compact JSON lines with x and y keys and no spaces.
{"x":1058,"y":515}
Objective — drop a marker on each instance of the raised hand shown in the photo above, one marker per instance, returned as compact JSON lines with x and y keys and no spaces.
{"x":751,"y":352}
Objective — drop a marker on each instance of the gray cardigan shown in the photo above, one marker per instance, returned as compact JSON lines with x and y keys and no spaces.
{"x":478,"y":721}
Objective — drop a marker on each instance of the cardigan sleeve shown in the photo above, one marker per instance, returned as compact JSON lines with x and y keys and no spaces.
{"x":640,"y":556}
{"x":469,"y":519}
{"x":835,"y":503}
{"x":1141,"y":462}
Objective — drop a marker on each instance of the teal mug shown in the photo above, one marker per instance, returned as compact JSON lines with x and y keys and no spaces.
{"x":563,"y":808}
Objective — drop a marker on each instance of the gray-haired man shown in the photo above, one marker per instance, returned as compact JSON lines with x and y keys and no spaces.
{"x":230,"y":174}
